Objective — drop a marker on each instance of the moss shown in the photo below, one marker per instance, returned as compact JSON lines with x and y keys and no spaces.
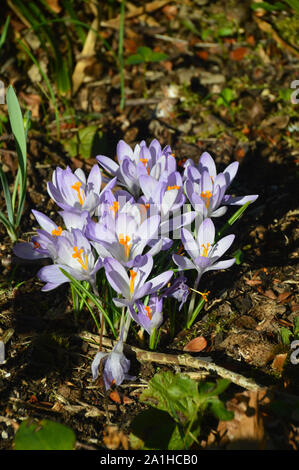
{"x":288,"y":29}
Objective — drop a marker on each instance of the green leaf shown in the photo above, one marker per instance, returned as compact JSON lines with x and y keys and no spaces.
{"x":217,"y":407}
{"x":134,"y":59}
{"x":296,"y":326}
{"x":82,"y":143}
{"x":157,"y":56}
{"x":285,"y":335}
{"x":145,"y":52}
{"x":239,"y":256}
{"x":225,"y":31}
{"x":44,"y":435}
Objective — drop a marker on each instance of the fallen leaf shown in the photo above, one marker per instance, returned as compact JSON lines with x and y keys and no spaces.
{"x":33,"y":101}
{"x":278,"y":362}
{"x":114,"y":438}
{"x":170,"y":11}
{"x":270,"y":294}
{"x":246,"y":429}
{"x":252,"y":282}
{"x":283,"y":296}
{"x":115,"y":396}
{"x":54,"y":5}
{"x":238,"y":53}
{"x":204,"y":55}
{"x":196,"y":345}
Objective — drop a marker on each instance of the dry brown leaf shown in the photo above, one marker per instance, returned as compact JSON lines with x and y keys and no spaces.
{"x":114,"y":438}
{"x":270,"y":294}
{"x":115,"y":396}
{"x":86,"y":56}
{"x":279,"y":361}
{"x":238,"y":53}
{"x":196,"y":345}
{"x":54,"y":5}
{"x":246,"y":429}
{"x":284,"y":296}
{"x":33,"y":101}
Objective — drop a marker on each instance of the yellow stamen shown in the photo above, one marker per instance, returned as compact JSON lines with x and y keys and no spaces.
{"x":144,"y":161}
{"x":204,"y":295}
{"x":173,"y":187}
{"x":77,"y":187}
{"x":57,"y":232}
{"x":114,"y":207}
{"x":206,"y":195}
{"x":124,"y":241}
{"x":148,"y":310}
{"x":133,"y":274}
{"x":205,"y":249}
{"x":181,"y":250}
{"x":77,"y":255}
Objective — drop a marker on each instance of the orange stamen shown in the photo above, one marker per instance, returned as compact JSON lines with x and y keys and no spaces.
{"x":77,"y":187}
{"x":77,"y":255}
{"x":173,"y":187}
{"x":205,"y":249}
{"x":114,"y":207}
{"x":206,"y":195}
{"x":57,"y":232}
{"x":148,"y":310}
{"x":204,"y":295}
{"x":144,"y":161}
{"x":36,"y":245}
{"x":124,"y":241}
{"x":133,"y":274}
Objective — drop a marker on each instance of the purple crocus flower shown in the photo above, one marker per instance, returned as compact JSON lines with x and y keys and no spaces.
{"x":124,"y":232}
{"x":142,"y":160}
{"x":71,"y":191}
{"x":74,"y":255}
{"x":206,"y":189}
{"x":43,"y":245}
{"x":178,"y":289}
{"x":148,"y":316}
{"x":166,"y":195}
{"x":115,"y":366}
{"x":134,"y":285}
{"x":203,"y":252}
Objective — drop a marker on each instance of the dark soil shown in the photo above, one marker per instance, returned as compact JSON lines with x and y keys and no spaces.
{"x":47,"y":369}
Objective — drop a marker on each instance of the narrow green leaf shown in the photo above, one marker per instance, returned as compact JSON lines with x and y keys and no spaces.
{"x":7,"y":196}
{"x":91,"y":296}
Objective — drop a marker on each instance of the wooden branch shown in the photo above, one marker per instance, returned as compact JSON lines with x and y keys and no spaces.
{"x":185,"y":360}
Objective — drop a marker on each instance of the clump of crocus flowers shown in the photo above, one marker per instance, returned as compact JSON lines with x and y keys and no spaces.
{"x":139,"y":227}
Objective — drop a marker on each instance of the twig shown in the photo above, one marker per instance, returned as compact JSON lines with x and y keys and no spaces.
{"x":180,"y":360}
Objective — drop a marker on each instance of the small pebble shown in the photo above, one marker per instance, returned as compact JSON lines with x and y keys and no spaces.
{"x":4,"y":435}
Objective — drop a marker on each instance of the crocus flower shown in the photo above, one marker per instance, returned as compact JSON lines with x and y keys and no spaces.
{"x":166,"y":195}
{"x":115,"y":366}
{"x":132,"y":164}
{"x":43,"y":245}
{"x":74,"y":255}
{"x":124,"y":233}
{"x":71,"y":191}
{"x":206,"y":189}
{"x":148,"y":316}
{"x":134,"y":285}
{"x":178,"y":289}
{"x":203,"y":252}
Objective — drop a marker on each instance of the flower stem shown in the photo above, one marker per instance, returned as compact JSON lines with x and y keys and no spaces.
{"x":192,"y":301}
